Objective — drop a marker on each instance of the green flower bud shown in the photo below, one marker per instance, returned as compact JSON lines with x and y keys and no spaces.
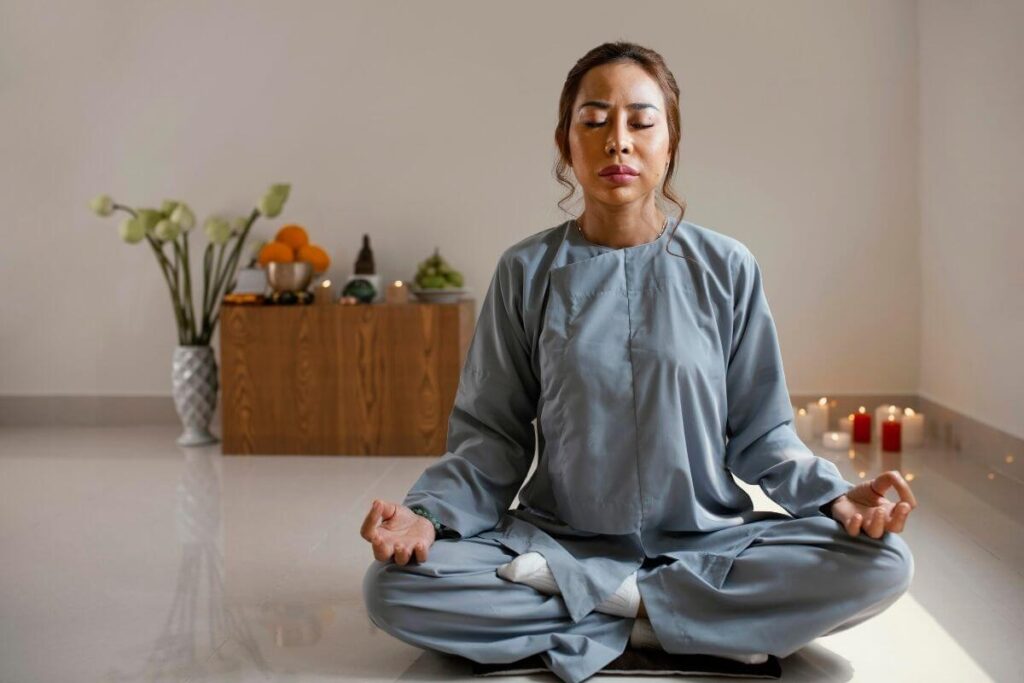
{"x":217,"y":230}
{"x":183,"y":216}
{"x":273,"y":201}
{"x":149,"y":218}
{"x":168,"y":207}
{"x":167,"y":230}
{"x":132,"y":230}
{"x":271,"y":205}
{"x":102,"y":204}
{"x":283,"y":189}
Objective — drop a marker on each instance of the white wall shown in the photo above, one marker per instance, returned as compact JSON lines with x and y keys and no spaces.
{"x":799,"y":138}
{"x":972,"y":208}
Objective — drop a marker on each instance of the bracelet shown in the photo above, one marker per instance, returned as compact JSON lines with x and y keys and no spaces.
{"x":424,"y":512}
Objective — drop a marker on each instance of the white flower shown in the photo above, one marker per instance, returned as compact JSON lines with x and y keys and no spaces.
{"x":167,"y":230}
{"x":132,"y":230}
{"x":217,"y":230}
{"x":102,"y":204}
{"x":183,"y":216}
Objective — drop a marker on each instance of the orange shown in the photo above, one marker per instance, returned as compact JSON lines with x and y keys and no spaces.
{"x":276,"y":251}
{"x":293,"y":235}
{"x":315,"y":255}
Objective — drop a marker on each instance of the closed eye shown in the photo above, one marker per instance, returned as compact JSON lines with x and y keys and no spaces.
{"x":591,"y":124}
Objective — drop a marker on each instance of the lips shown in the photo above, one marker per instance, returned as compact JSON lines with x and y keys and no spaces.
{"x":618,"y":170}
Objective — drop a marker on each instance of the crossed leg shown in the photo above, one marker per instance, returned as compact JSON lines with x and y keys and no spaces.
{"x":801,"y":579}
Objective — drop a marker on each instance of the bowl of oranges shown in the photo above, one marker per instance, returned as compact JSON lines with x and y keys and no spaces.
{"x":291,"y":260}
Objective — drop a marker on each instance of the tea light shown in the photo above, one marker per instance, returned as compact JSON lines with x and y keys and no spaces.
{"x":846,"y":424}
{"x":838,"y":441}
{"x":397,"y":293}
{"x":323,"y":294}
{"x":891,"y":434}
{"x":862,"y":426}
{"x":882,"y":413}
{"x":804,"y":426}
{"x":819,"y":411}
{"x":913,"y":428}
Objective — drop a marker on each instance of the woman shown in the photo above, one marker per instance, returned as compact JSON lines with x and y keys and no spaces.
{"x":646,"y":351}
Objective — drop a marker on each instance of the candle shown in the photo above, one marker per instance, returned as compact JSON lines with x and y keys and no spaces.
{"x":882,"y":413}
{"x":805,"y":426}
{"x":913,"y":428}
{"x":891,"y":434}
{"x":819,"y":411}
{"x":838,"y":441}
{"x":846,"y":424}
{"x":397,"y":293}
{"x":322,"y":293}
{"x":862,"y":426}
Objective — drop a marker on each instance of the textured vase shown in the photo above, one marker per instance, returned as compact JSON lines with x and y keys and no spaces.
{"x":194,"y":385}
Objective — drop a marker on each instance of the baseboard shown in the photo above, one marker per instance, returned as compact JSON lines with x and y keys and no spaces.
{"x":89,"y":411}
{"x":944,"y":427}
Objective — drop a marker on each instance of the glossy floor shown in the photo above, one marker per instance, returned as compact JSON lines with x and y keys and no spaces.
{"x":126,"y":558}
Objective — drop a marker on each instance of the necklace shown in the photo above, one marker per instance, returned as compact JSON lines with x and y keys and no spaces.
{"x":580,"y":228}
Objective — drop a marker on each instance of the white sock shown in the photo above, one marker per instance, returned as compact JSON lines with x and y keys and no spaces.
{"x":643,"y":636}
{"x":533,"y":570}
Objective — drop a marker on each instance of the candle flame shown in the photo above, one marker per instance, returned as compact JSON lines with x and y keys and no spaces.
{"x":851,"y":416}
{"x":325,"y":283}
{"x":892,"y":418}
{"x":803,"y":412}
{"x":399,"y":283}
{"x":860,"y":410}
{"x":822,"y":400}
{"x":835,"y":437}
{"x":908,"y":411}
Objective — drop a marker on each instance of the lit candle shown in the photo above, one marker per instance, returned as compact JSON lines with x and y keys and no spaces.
{"x":882,"y":413}
{"x":862,"y":426}
{"x":819,"y":411}
{"x":913,"y":428}
{"x":397,"y":293}
{"x":805,"y":426}
{"x":322,"y":293}
{"x":838,"y":441}
{"x":846,"y":424}
{"x":891,"y":434}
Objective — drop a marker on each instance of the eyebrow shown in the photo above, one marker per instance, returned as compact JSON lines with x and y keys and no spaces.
{"x":601,"y":104}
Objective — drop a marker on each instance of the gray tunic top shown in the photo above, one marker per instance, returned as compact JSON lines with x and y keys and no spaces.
{"x":651,"y":377}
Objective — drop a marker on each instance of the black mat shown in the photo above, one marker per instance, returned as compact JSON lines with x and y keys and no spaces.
{"x":649,"y":662}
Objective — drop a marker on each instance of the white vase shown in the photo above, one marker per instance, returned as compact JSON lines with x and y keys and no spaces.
{"x":194,"y":384}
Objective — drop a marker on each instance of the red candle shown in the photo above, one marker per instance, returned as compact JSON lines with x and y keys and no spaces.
{"x":861,"y":426}
{"x":891,"y":434}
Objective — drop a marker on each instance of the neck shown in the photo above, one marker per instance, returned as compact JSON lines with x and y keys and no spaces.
{"x":621,"y":226}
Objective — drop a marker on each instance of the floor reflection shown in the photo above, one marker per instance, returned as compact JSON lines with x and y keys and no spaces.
{"x":199,"y":620}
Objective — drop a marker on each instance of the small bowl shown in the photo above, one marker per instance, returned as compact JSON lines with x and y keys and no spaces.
{"x":289,"y":276}
{"x":439,"y":296}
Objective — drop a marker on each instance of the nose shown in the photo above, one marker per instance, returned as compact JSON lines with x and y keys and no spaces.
{"x":618,"y":139}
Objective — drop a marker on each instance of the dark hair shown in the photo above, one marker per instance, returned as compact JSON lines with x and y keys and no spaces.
{"x":651,"y":62}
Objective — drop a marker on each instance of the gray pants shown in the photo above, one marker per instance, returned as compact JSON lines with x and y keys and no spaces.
{"x":801,"y":579}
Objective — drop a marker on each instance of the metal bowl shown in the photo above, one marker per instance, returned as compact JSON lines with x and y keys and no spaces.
{"x":293,"y":276}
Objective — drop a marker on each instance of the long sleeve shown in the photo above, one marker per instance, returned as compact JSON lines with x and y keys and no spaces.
{"x":491,"y":438}
{"x":762,"y":446}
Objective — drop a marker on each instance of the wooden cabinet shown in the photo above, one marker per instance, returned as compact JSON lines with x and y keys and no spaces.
{"x":332,"y":379}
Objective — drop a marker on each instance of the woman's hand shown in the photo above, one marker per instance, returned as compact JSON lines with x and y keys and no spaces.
{"x":394,"y":529}
{"x":865,"y":507}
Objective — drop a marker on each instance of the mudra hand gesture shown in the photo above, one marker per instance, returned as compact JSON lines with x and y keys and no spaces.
{"x":394,"y":529}
{"x":865,"y":507}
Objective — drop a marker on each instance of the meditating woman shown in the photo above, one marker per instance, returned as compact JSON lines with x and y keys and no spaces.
{"x":644,"y":348}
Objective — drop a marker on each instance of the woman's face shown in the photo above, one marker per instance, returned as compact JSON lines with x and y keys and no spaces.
{"x":618,"y":118}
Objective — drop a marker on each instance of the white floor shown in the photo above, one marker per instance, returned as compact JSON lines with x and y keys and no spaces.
{"x":126,"y":558}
